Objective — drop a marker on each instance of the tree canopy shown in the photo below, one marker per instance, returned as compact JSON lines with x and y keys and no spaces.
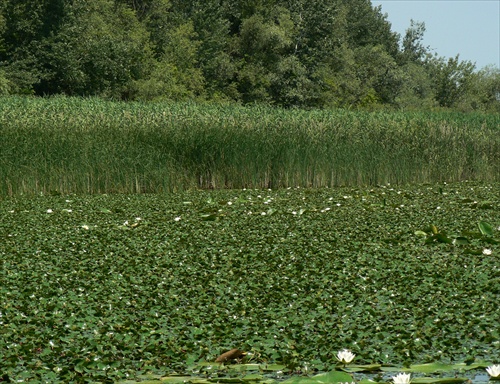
{"x":290,"y":53}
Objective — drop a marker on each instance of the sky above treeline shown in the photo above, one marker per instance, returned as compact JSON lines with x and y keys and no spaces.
{"x":470,"y":28}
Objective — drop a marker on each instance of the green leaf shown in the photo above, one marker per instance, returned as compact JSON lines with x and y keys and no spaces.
{"x":209,"y":217}
{"x":328,"y":377}
{"x":226,"y":380}
{"x":362,"y":368}
{"x":460,"y":240}
{"x":429,"y":368}
{"x":253,"y":377}
{"x":176,"y":379}
{"x":443,"y":239}
{"x":472,"y":251}
{"x":485,"y":228}
{"x":272,"y":367}
{"x":439,"y":238}
{"x":474,"y":365}
{"x":438,"y":380}
{"x":434,"y":229}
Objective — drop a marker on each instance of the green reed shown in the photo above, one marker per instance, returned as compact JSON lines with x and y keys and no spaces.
{"x":73,"y":145}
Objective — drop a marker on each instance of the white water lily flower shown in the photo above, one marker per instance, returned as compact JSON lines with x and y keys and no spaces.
{"x":494,"y":371}
{"x":402,"y":378}
{"x":487,"y":251}
{"x":345,"y":356}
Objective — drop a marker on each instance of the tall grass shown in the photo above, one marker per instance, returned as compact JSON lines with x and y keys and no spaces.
{"x":72,"y":145}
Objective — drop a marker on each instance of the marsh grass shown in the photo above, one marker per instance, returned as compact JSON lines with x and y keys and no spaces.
{"x":92,"y":146}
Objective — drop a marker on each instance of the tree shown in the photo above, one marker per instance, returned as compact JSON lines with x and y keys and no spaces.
{"x":175,"y":74}
{"x":368,"y":26}
{"x":25,"y":26}
{"x":416,"y":88}
{"x":377,"y":72}
{"x":290,"y":85}
{"x":452,"y":79}
{"x":99,"y":50}
{"x":263,"y":42}
{"x":483,"y":92}
{"x":292,"y":53}
{"x":413,"y":49}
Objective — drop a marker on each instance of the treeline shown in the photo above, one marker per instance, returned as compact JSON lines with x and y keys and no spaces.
{"x":290,"y":53}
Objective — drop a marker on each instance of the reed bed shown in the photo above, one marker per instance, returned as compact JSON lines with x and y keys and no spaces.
{"x":74,"y":145}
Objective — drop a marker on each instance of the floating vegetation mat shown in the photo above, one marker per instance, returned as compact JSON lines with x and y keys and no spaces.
{"x":106,"y":288}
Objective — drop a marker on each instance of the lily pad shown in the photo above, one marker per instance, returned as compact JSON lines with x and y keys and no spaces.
{"x":362,"y":368}
{"x":485,"y":228}
{"x":438,"y":380}
{"x":429,"y":368}
{"x":328,"y":377}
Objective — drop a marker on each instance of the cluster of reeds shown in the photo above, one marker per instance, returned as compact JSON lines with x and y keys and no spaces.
{"x":73,"y":145}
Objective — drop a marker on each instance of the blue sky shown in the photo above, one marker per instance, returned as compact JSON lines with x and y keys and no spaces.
{"x":470,"y":28}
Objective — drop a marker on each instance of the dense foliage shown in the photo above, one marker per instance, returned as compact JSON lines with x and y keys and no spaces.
{"x":320,"y":53}
{"x":72,"y":145}
{"x":98,"y":288}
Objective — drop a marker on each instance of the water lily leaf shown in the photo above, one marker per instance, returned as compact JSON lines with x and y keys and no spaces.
{"x":150,"y":376}
{"x":438,"y":380}
{"x":391,"y":369}
{"x":474,"y":365}
{"x":273,"y":367}
{"x":485,"y":228}
{"x":362,"y":368}
{"x":443,"y":239}
{"x":209,"y":217}
{"x":486,"y":205}
{"x":243,"y":367}
{"x":471,"y":251}
{"x":438,"y":238}
{"x":253,"y":377}
{"x":176,"y":379}
{"x":333,"y":377}
{"x":460,"y":240}
{"x":367,"y":381}
{"x":328,"y":377}
{"x":474,"y":235}
{"x":249,"y":367}
{"x":467,"y":201}
{"x":429,"y":368}
{"x":489,"y":240}
{"x":226,"y":380}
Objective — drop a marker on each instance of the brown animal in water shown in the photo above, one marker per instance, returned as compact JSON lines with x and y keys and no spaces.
{"x":233,"y":354}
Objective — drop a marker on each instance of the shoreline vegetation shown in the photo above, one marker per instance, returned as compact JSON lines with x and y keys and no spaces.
{"x":88,"y":146}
